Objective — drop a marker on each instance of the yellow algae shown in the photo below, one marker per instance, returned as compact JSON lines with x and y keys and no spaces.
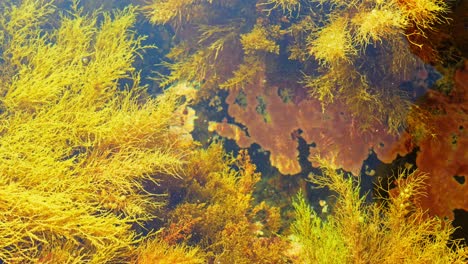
{"x":245,"y":74}
{"x":288,"y":7}
{"x":32,"y":219}
{"x":220,"y":214}
{"x":191,"y":69}
{"x":164,"y":11}
{"x":87,"y":157}
{"x":314,"y":240}
{"x":371,"y":36}
{"x":19,"y":26}
{"x":332,"y":43}
{"x":424,"y":13}
{"x":259,"y":40}
{"x":82,"y":159}
{"x":161,"y":252}
{"x":199,"y":67}
{"x":357,"y":232}
{"x":76,"y":149}
{"x":380,"y":23}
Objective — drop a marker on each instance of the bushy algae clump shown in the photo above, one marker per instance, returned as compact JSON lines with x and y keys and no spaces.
{"x":77,"y":148}
{"x":395,"y":231}
{"x":219,"y":213}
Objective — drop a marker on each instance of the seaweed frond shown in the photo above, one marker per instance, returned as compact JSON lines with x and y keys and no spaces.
{"x":333,"y":43}
{"x":397,"y":231}
{"x":161,"y":252}
{"x":78,"y":149}
{"x":244,"y":75}
{"x":165,"y":11}
{"x":261,"y":39}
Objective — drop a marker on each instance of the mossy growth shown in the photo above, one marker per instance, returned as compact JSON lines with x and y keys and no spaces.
{"x":244,"y":75}
{"x":366,"y":39}
{"x":218,"y":211}
{"x":164,"y":11}
{"x":78,"y":150}
{"x":331,"y":42}
{"x":395,"y":231}
{"x":261,"y":39}
{"x":287,"y":7}
{"x":161,"y":252}
{"x":85,"y":159}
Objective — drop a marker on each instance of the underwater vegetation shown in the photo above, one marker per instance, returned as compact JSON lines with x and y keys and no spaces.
{"x":438,"y":125}
{"x":78,"y":150}
{"x":95,"y":169}
{"x":89,"y":159}
{"x":350,"y":57}
{"x":395,"y":231}
{"x":344,"y":67}
{"x":360,"y":46}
